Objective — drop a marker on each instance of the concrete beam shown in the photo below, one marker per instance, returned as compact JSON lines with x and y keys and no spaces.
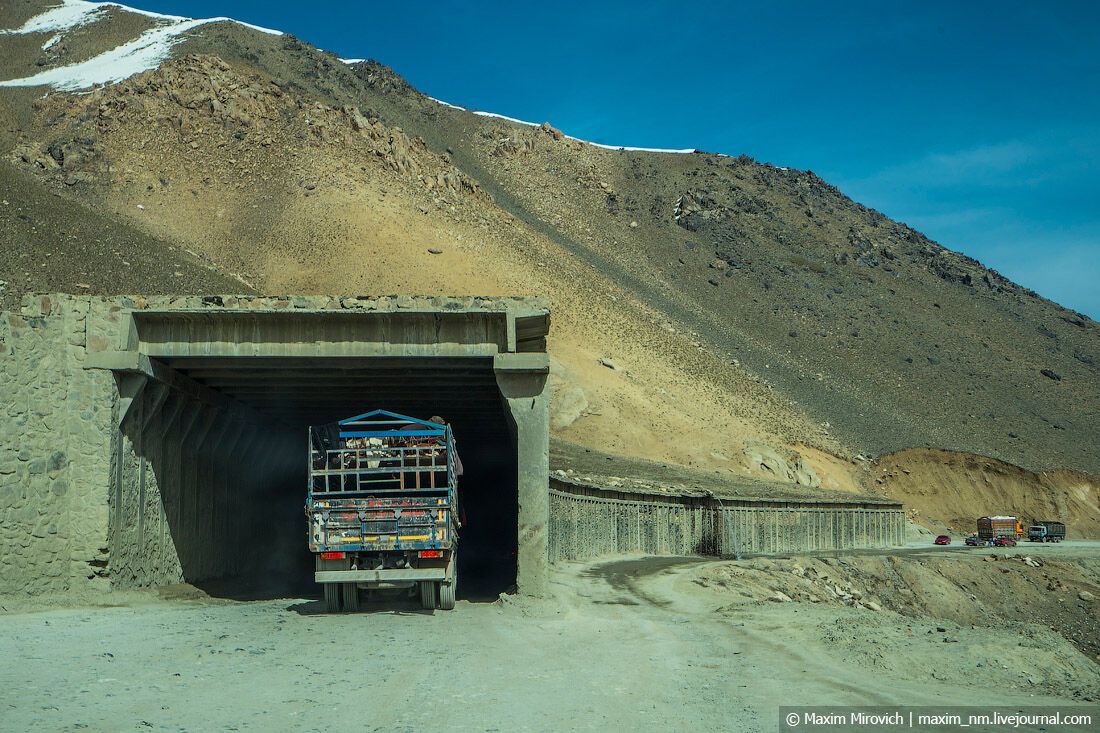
{"x":208,"y":416}
{"x":130,"y":362}
{"x":130,"y":388}
{"x":247,"y":334}
{"x":233,"y":439}
{"x":410,"y":364}
{"x":226,"y":371}
{"x":115,"y":361}
{"x":171,"y":411}
{"x":156,"y":394}
{"x":188,"y":421}
{"x":534,"y":362}
{"x":322,"y":380}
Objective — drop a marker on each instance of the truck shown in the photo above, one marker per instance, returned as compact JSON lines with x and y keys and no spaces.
{"x":382,"y":509}
{"x":1046,"y":531}
{"x":990,"y":528}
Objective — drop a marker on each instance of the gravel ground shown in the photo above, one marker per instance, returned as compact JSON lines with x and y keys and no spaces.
{"x":632,"y":644}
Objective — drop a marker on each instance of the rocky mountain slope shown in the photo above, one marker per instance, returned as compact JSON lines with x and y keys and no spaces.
{"x":708,"y":310}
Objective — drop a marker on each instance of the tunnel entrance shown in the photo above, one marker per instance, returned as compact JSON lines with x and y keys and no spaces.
{"x":211,"y":461}
{"x":296,"y":393}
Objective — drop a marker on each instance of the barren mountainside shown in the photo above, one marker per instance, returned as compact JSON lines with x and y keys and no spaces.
{"x":708,"y":310}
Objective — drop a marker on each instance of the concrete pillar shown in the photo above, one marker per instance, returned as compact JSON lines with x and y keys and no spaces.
{"x":522,"y":382}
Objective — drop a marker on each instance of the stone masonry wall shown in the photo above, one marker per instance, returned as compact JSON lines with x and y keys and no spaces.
{"x":55,"y":433}
{"x":84,"y":505}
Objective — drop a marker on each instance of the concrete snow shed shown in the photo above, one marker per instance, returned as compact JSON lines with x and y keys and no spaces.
{"x":173,"y":430}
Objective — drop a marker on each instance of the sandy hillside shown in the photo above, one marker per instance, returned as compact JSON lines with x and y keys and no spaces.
{"x":708,"y":311}
{"x":954,"y":488}
{"x":402,"y":220}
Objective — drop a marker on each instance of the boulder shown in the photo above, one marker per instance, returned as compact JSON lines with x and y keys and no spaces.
{"x":604,"y":361}
{"x":569,"y":402}
{"x":805,"y":475}
{"x":552,"y":131}
{"x":358,"y":121}
{"x":792,"y":468}
{"x":79,"y":177}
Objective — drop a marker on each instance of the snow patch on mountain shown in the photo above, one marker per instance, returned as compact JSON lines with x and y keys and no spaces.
{"x":447,"y":104}
{"x":145,"y":52}
{"x":69,"y":14}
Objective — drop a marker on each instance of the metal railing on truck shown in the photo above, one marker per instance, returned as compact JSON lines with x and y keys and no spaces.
{"x":412,"y":458}
{"x":382,"y":481}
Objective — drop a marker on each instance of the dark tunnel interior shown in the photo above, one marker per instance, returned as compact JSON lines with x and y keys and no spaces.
{"x":255,"y":546}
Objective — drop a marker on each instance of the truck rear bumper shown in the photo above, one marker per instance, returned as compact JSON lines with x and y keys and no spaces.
{"x":380,"y":576}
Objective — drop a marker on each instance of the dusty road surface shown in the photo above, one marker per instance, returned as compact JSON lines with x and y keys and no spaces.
{"x":631,"y":644}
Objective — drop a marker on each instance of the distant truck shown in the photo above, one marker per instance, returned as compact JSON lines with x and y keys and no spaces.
{"x":382,"y":508}
{"x":990,"y":528}
{"x":1046,"y":531}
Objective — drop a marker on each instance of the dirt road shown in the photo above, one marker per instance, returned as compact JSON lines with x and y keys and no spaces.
{"x":635,"y":644}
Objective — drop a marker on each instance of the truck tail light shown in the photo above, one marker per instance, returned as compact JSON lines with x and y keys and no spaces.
{"x":333,"y":555}
{"x":430,"y":553}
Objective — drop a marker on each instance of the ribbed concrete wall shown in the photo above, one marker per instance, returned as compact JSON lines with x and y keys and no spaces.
{"x":585,"y":524}
{"x":188,"y":485}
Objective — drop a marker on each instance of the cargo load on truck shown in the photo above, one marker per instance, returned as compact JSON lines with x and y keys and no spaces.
{"x":382,"y":507}
{"x":991,"y":528}
{"x":1046,"y":531}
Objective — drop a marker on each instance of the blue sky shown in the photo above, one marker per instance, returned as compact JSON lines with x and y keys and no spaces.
{"x":976,"y":123}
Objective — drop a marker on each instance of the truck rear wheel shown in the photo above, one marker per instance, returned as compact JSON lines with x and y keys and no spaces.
{"x":351,"y":597}
{"x":427,"y":594}
{"x":446,"y":591}
{"x":332,"y":597}
{"x":447,"y":595}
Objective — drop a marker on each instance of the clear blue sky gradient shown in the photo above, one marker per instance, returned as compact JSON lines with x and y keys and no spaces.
{"x":977,"y":123}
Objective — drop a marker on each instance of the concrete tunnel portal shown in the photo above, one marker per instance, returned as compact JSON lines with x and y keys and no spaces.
{"x":209,"y":468}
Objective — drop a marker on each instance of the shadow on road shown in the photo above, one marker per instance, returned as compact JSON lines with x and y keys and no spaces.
{"x":622,"y":575}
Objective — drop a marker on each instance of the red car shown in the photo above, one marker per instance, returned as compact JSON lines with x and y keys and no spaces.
{"x":943,"y":540}
{"x":1004,"y":542}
